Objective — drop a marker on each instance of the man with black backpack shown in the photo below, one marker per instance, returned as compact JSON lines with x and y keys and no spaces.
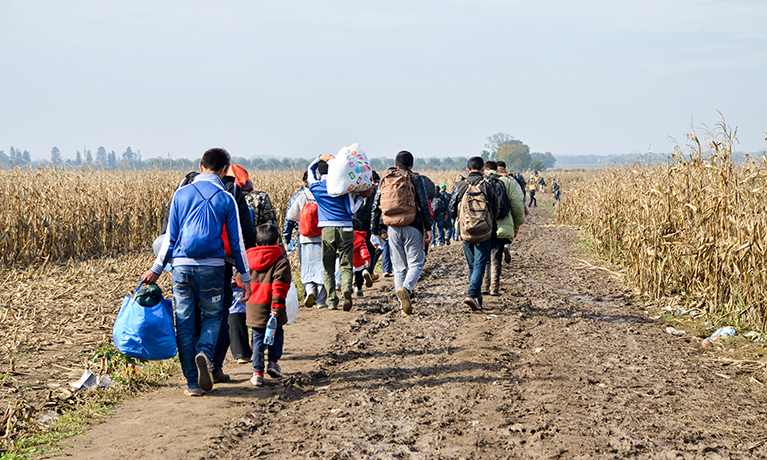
{"x":475,"y":206}
{"x":401,"y":204}
{"x":442,"y":223}
{"x":511,"y":216}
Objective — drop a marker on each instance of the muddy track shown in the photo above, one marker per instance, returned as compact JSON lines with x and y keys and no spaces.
{"x":565,"y":364}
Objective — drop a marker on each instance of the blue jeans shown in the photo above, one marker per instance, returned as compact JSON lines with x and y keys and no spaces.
{"x":477,"y":256}
{"x":197,"y":290}
{"x":275,"y":349}
{"x":386,"y":257}
{"x":440,"y":228}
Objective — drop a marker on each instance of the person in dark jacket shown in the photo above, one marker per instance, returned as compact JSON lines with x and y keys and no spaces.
{"x":363,"y":214}
{"x":477,"y":253}
{"x":406,"y":243}
{"x":443,"y":226}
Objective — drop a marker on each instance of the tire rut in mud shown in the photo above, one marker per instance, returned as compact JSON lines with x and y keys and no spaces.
{"x":564,"y":364}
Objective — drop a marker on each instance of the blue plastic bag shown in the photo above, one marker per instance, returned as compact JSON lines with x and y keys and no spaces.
{"x":145,"y":332}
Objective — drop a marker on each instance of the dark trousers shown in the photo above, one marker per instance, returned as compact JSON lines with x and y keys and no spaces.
{"x":492,"y":280}
{"x":238,"y":336}
{"x":222,"y":344}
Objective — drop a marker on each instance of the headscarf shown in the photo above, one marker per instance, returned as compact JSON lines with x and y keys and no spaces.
{"x":241,"y":177}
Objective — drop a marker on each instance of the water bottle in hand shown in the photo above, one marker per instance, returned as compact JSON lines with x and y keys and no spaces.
{"x":271,"y":328}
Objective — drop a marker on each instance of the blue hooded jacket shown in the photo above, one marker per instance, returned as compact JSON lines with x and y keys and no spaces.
{"x":198,"y":213}
{"x":332,"y":211}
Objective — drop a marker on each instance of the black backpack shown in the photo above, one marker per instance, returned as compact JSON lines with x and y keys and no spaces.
{"x":438,"y":205}
{"x":503,"y":200}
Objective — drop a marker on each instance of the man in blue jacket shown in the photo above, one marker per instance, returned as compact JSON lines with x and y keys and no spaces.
{"x":335,"y":214}
{"x":198,"y":214}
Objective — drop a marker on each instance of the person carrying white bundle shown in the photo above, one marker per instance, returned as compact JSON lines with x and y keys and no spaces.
{"x":335,"y":218}
{"x":349,"y":172}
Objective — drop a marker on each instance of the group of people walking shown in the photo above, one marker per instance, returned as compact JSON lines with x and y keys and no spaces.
{"x":217,"y":223}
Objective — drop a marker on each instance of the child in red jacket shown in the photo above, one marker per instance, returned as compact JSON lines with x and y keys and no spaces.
{"x":270,"y":271}
{"x":361,"y":258}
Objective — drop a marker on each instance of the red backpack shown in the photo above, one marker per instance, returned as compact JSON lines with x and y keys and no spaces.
{"x":308,"y":221}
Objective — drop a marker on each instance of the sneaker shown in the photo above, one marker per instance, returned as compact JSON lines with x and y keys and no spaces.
{"x":404,"y":299}
{"x":274,"y":371}
{"x":374,"y":276}
{"x":257,"y":380}
{"x":359,"y":293}
{"x":204,"y":375}
{"x":485,"y":290}
{"x":368,"y":278}
{"x":309,"y":301}
{"x":447,"y":242}
{"x":194,"y":392}
{"x":332,"y":307}
{"x":321,"y":305}
{"x":388,"y":274}
{"x":242,"y":361}
{"x":472,"y":303}
{"x":506,"y":255}
{"x":347,"y":302}
{"x":495,"y":293}
{"x":220,"y":377}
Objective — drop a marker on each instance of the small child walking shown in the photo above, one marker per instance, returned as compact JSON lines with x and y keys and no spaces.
{"x":270,"y":271}
{"x":361,"y":258}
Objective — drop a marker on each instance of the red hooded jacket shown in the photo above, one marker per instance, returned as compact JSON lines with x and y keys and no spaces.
{"x":270,"y":272}
{"x":361,"y":253}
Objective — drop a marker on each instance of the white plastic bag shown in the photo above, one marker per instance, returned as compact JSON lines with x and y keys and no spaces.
{"x":349,"y":171}
{"x":291,"y":303}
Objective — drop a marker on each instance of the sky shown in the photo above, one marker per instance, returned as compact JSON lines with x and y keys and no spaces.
{"x":301,"y":78}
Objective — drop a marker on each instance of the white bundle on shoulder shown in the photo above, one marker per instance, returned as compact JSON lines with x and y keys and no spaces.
{"x":349,"y":172}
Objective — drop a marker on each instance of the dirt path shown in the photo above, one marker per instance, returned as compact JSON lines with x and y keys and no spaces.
{"x":565,"y":364}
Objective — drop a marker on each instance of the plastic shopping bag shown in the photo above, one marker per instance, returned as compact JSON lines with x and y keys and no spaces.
{"x":291,"y":303}
{"x":145,"y":332}
{"x":349,"y":171}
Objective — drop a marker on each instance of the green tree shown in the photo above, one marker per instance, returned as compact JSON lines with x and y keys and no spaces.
{"x":495,"y":142}
{"x":545,"y":160}
{"x":516,"y":156}
{"x":55,"y":156}
{"x":101,"y":157}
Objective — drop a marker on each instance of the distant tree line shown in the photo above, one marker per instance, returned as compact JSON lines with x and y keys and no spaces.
{"x":501,"y":147}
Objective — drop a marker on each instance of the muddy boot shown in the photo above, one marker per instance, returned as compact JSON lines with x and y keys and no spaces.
{"x":495,"y":280}
{"x":486,"y":280}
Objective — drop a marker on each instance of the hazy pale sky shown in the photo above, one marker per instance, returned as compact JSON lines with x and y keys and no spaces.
{"x":300,"y":78}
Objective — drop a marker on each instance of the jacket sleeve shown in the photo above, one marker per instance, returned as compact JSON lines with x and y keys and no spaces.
{"x":458,"y":190}
{"x":280,"y":283}
{"x":246,"y":222}
{"x":423,"y":202}
{"x":516,"y":206}
{"x":236,"y":244}
{"x":375,"y":213}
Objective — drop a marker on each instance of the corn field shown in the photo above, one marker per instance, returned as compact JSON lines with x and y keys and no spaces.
{"x":692,"y":229}
{"x":50,"y":214}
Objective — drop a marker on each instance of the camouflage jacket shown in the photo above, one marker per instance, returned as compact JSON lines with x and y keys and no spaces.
{"x":263,"y":210}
